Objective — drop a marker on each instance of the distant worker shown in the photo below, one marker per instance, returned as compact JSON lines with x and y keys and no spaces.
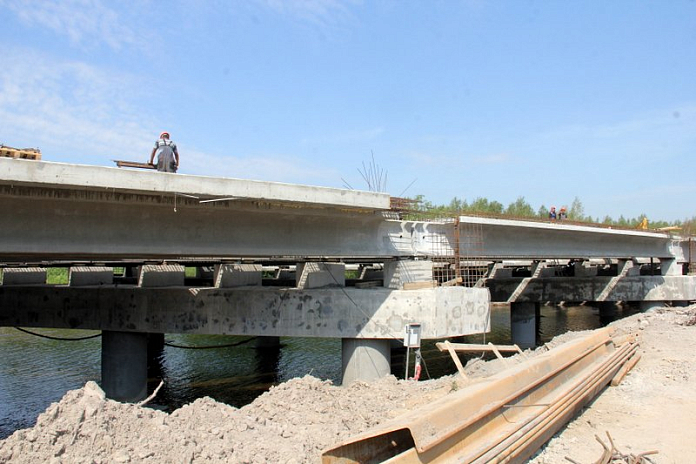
{"x":167,"y":154}
{"x":563,"y":214}
{"x":552,"y":213}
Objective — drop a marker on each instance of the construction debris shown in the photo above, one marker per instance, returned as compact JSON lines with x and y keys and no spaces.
{"x":611,"y":455}
{"x":21,"y":153}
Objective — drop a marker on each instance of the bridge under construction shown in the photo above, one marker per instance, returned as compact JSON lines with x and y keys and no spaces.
{"x":152,"y":253}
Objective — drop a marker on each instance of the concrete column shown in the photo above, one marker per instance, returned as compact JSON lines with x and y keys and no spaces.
{"x":80,"y":276}
{"x":670,"y":267}
{"x":365,"y":359}
{"x":155,"y":349}
{"x":267,"y":342}
{"x":165,"y":275}
{"x":400,"y":272}
{"x":607,"y":311}
{"x":524,"y":322}
{"x":124,"y":365}
{"x":650,"y":305}
{"x":24,"y":276}
{"x":238,"y":275}
{"x":318,"y":275}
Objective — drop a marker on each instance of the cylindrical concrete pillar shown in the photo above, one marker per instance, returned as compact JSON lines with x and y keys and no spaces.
{"x":649,"y":305}
{"x":607,"y":311}
{"x":268,"y":342}
{"x":155,"y":350}
{"x":365,"y":359}
{"x":124,"y":365}
{"x":524,"y":321}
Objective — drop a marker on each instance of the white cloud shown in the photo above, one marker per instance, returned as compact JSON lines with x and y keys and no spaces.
{"x":84,"y":22}
{"x":70,"y":107}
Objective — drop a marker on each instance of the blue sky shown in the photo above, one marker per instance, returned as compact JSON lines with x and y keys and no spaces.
{"x":549,"y":100}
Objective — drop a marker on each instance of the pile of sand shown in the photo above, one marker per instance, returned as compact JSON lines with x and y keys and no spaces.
{"x":294,"y":422}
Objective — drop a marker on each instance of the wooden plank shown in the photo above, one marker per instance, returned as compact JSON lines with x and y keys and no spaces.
{"x":452,"y":282}
{"x":497,"y":353}
{"x":24,"y":153}
{"x":369,"y":284}
{"x":473,"y":347}
{"x":455,"y":358}
{"x":419,"y":285}
{"x":133,"y":164}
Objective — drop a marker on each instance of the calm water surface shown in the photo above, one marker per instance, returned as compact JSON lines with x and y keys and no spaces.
{"x":34,"y":372}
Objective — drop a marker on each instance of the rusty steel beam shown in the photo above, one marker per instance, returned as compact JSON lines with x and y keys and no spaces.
{"x":503,"y":418}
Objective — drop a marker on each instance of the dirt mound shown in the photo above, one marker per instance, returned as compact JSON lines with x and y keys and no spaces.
{"x":292,"y":423}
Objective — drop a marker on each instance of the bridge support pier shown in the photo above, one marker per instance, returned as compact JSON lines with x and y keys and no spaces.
{"x":649,"y":305}
{"x":124,"y":365}
{"x":267,"y":342}
{"x":524,"y":323}
{"x":365,"y":359}
{"x":607,"y":311}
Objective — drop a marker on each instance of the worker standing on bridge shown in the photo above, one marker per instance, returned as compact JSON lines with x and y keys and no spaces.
{"x":167,"y":154}
{"x":563,"y":215}
{"x":552,"y":213}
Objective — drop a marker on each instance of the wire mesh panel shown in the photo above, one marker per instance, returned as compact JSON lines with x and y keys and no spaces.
{"x":471,"y":267}
{"x":456,"y":249}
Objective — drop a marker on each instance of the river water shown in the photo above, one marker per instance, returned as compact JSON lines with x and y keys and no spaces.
{"x":34,"y":372}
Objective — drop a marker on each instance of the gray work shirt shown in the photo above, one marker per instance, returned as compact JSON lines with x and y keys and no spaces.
{"x":165,"y":155}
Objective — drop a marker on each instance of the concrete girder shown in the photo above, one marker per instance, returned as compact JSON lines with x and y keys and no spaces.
{"x":73,"y":212}
{"x":375,"y":313}
{"x":620,"y":288}
{"x":514,"y":239}
{"x":76,"y":177}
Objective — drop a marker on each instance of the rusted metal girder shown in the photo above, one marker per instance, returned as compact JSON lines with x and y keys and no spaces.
{"x":502,"y":418}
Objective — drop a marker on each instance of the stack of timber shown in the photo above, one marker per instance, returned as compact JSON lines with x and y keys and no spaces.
{"x":23,"y":153}
{"x":502,"y":418}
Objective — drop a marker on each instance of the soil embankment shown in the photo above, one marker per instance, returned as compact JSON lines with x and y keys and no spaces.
{"x":654,"y":408}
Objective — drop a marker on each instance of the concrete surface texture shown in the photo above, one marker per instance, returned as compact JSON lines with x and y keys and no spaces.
{"x":505,"y":238}
{"x":75,"y":176}
{"x":378,"y":313}
{"x":598,"y":288}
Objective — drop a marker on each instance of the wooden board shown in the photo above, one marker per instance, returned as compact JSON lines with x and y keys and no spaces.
{"x":134,"y":164}
{"x":23,"y":153}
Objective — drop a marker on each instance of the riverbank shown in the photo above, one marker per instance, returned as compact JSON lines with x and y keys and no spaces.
{"x":654,"y":408}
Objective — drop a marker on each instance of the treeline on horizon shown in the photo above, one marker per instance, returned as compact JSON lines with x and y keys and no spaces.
{"x":520,"y":208}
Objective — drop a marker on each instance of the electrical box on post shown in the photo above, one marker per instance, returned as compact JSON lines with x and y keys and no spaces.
{"x":413,"y":335}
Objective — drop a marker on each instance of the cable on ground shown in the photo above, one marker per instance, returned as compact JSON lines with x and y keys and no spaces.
{"x":229,"y":345}
{"x":62,"y":339}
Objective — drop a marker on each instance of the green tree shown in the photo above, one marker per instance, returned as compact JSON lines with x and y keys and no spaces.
{"x":543,"y":212}
{"x":577,"y":211}
{"x":520,"y":208}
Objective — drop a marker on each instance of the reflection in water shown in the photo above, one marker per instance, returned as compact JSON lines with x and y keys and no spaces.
{"x":34,"y":372}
